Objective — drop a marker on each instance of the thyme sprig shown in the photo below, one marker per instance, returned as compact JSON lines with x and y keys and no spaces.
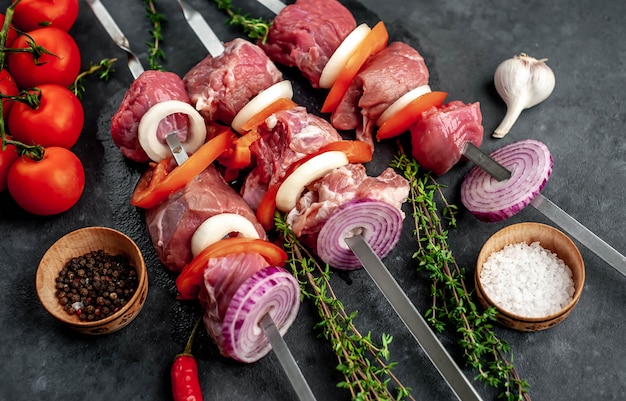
{"x":255,"y":28}
{"x":157,"y":19}
{"x":364,"y":365}
{"x":104,"y":68}
{"x":451,"y":300}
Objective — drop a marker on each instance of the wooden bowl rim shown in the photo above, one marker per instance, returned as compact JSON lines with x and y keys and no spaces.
{"x":72,"y":320}
{"x":535,"y":228}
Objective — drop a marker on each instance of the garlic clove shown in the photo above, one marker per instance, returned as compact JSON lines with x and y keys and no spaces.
{"x":522,"y":82}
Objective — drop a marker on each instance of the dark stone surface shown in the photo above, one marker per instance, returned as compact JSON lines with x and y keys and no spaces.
{"x":463,"y":41}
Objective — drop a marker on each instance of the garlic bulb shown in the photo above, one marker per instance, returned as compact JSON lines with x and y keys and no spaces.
{"x":522,"y":82}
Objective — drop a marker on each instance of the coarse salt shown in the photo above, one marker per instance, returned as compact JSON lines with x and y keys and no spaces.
{"x":527,"y":280}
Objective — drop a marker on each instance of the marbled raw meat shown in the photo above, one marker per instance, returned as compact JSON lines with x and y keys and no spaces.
{"x":148,"y":89}
{"x":343,"y":185}
{"x":440,"y":136}
{"x":307,"y":33}
{"x":220,"y":86}
{"x":383,"y":79}
{"x":286,"y":137}
{"x":172,"y":223}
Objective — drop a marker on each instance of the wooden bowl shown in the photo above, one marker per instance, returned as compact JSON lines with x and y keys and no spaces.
{"x":78,"y":243}
{"x":549,"y":238}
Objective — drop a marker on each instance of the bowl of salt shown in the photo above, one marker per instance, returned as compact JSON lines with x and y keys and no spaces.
{"x":532,"y":273}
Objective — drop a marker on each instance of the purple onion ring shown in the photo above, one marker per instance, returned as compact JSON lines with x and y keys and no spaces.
{"x":378,"y":222}
{"x":271,"y":290}
{"x":530,"y":163}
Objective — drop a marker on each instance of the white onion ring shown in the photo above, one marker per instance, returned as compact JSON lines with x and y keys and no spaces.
{"x":401,"y":103}
{"x":217,"y":227}
{"x":340,"y":56}
{"x":378,"y":222}
{"x":314,"y":168}
{"x":530,"y":163}
{"x":147,"y":130}
{"x":271,"y":290}
{"x":280,"y":90}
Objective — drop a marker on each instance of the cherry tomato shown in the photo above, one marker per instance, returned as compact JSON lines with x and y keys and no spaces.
{"x":11,"y":33}
{"x":7,"y":157}
{"x":57,"y":121}
{"x":33,"y":14}
{"x":48,"y":186}
{"x":8,"y":87}
{"x":61,"y":67}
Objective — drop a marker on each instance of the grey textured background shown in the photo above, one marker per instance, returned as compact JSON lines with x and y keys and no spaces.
{"x":463,"y":42}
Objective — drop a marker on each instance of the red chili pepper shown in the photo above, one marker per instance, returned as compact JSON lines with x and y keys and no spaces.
{"x":185,"y":381}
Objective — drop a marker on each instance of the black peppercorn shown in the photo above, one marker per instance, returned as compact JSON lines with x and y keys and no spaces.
{"x":90,"y":284}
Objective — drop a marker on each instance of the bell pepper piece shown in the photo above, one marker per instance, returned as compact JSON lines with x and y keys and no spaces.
{"x":409,"y":115}
{"x":267,"y":206}
{"x":374,"y":42}
{"x":157,"y":184}
{"x":191,"y":277}
{"x":238,"y":155}
{"x":257,"y":119}
{"x":356,"y":152}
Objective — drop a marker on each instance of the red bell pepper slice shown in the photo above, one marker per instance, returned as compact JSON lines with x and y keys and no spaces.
{"x":157,"y":184}
{"x":356,"y":152}
{"x":409,"y":115}
{"x":238,"y":155}
{"x":267,"y":206}
{"x":276,"y":106}
{"x":190,"y":279}
{"x":374,"y":42}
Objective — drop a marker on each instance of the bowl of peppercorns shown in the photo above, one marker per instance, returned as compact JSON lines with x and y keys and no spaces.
{"x":93,"y":279}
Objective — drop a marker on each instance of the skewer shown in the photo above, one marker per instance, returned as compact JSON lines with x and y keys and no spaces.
{"x":577,"y":230}
{"x":215,"y":47}
{"x":202,"y":29}
{"x":274,"y":6}
{"x":134,"y":65}
{"x":550,"y":210}
{"x":286,"y":359}
{"x":413,"y":320}
{"x":416,"y":324}
{"x":482,"y":160}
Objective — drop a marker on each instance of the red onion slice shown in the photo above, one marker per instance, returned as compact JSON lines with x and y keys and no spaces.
{"x":378,"y":222}
{"x":271,"y":290}
{"x":530,"y":163}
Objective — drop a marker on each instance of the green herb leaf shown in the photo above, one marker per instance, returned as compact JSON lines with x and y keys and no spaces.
{"x":452,"y":303}
{"x":155,"y":53}
{"x":365,"y":366}
{"x":104,"y":69}
{"x":255,"y":28}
